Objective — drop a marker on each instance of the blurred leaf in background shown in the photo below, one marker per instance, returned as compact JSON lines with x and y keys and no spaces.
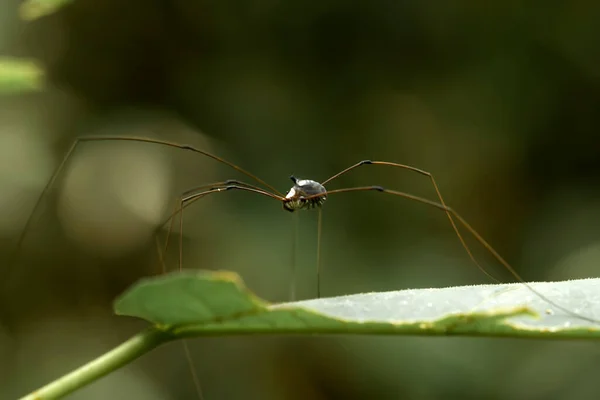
{"x":18,"y":75}
{"x":33,"y":9}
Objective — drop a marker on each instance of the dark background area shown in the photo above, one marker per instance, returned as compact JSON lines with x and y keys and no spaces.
{"x":499,"y":101}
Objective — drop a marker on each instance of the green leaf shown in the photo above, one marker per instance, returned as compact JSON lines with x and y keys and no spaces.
{"x":17,"y":75}
{"x":195,"y":303}
{"x":188,"y":298}
{"x":33,"y":9}
{"x":203,"y":303}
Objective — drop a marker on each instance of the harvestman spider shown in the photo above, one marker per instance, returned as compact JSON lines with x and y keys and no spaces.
{"x":304,"y":194}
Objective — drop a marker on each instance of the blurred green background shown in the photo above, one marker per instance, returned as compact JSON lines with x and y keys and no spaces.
{"x":500,"y":101}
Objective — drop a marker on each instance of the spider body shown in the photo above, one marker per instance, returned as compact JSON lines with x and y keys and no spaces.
{"x":305,"y":193}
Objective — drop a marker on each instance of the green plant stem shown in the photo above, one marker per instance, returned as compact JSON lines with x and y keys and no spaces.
{"x":130,"y":350}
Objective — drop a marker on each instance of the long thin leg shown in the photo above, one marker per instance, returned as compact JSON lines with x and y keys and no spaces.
{"x":192,"y":195}
{"x":216,"y":189}
{"x":234,"y":187}
{"x":319,"y":225}
{"x":294,"y":256}
{"x":190,"y":361}
{"x":229,"y":185}
{"x":186,"y":199}
{"x":181,"y":237}
{"x":179,"y":206}
{"x":161,"y":259}
{"x":471,"y":230}
{"x":186,"y":348}
{"x":437,"y":191}
{"x":84,"y":139}
{"x":176,"y":210}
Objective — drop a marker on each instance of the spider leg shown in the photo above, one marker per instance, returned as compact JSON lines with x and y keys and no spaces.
{"x":437,"y":191}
